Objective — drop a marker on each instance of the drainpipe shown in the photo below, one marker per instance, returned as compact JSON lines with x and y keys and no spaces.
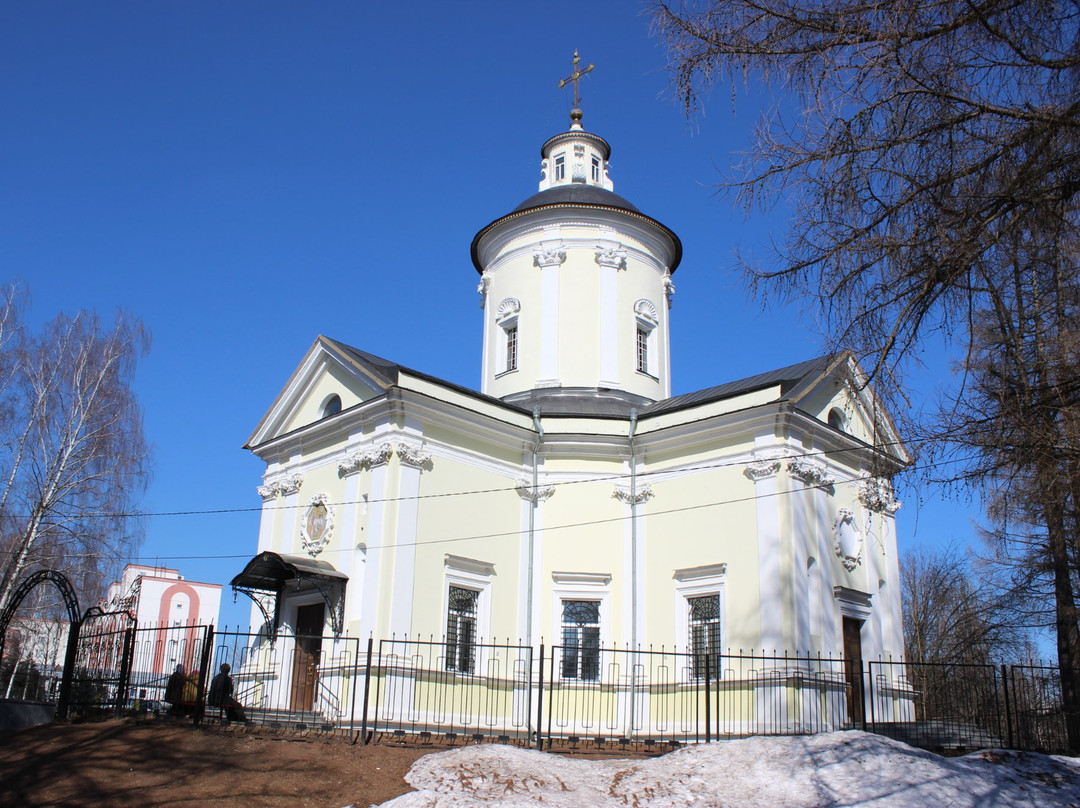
{"x":533,"y":500}
{"x":633,"y":570}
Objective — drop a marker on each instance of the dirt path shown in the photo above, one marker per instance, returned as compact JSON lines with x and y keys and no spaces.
{"x":157,"y":765}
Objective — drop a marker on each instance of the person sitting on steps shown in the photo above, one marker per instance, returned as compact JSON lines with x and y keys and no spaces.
{"x":220,"y":696}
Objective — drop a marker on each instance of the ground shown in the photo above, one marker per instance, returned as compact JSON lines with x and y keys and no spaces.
{"x":153,"y":764}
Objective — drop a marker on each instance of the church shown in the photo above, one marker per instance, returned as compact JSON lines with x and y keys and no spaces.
{"x":573,"y":500}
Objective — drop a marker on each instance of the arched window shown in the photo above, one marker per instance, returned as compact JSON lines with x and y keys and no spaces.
{"x":837,"y":420}
{"x":332,"y":406}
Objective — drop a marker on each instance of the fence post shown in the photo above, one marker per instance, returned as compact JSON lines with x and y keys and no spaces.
{"x":1008,"y":706}
{"x":204,"y":668}
{"x":870,"y":697}
{"x":540,"y":703}
{"x":125,"y":670}
{"x":708,"y":703}
{"x":367,"y":692}
{"x":63,"y":702}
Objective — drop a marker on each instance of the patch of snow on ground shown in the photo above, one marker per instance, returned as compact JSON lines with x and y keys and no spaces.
{"x":850,"y":769}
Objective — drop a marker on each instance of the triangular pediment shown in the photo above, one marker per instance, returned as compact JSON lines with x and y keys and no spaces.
{"x":329,"y":369}
{"x":841,"y":397}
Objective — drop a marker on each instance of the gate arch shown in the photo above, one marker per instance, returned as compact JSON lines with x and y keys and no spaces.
{"x":67,"y":591}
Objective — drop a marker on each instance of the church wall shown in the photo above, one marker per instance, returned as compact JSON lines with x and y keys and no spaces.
{"x":684,"y":536}
{"x":445,"y":520}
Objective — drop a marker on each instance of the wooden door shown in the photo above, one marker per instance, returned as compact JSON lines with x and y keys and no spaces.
{"x":309,"y":628}
{"x":853,"y":669}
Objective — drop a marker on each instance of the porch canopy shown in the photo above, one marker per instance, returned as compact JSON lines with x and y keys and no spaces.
{"x":269,"y":576}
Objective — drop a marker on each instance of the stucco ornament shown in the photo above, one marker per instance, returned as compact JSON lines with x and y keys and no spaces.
{"x":366,"y":458}
{"x":812,"y":474}
{"x":761,"y":468}
{"x":317,"y":525}
{"x":608,"y":255}
{"x":526,"y":492}
{"x":409,"y":454}
{"x":508,"y":308}
{"x":847,"y":539}
{"x":268,"y":491}
{"x":876,"y":494}
{"x":290,"y":483}
{"x":643,"y":493}
{"x":549,"y":256}
{"x":483,"y":286}
{"x":647,"y":311}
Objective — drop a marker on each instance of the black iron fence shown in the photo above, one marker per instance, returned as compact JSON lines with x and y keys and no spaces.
{"x":550,"y":697}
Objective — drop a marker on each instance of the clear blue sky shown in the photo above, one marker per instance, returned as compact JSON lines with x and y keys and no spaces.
{"x":247,"y":175}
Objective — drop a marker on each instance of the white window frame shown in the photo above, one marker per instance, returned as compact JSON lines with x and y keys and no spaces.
{"x":470,"y":573}
{"x":594,"y":586}
{"x":506,"y":318}
{"x":559,"y":172}
{"x":596,"y":168}
{"x":646,"y":321}
{"x":696,"y":582}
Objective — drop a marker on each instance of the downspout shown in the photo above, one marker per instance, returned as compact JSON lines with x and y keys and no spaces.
{"x":633,"y":571}
{"x":533,"y":500}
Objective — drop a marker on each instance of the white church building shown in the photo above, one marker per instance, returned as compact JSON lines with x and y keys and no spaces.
{"x":573,"y":500}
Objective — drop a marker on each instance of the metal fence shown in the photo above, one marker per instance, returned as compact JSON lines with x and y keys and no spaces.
{"x":294,"y":682}
{"x":437,"y":691}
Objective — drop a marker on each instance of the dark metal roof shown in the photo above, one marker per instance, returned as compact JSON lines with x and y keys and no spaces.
{"x":790,"y":379}
{"x":271,"y":571}
{"x":576,"y":193}
{"x":605,"y":403}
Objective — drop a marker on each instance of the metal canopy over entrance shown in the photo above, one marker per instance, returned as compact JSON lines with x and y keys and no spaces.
{"x":268,"y":577}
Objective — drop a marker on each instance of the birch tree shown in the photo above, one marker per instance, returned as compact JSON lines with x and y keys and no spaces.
{"x":73,"y":458}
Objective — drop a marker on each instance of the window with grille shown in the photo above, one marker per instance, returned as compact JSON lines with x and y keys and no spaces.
{"x":643,"y":350}
{"x":581,"y":639}
{"x":461,"y":630}
{"x":705,"y":635}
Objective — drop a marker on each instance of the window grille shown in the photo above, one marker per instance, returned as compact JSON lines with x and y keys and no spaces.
{"x":643,"y":350}
{"x":511,"y":348}
{"x":581,"y":640}
{"x":461,"y":630}
{"x":705,"y":635}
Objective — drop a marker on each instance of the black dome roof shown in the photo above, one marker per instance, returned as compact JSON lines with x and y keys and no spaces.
{"x":577,"y":193}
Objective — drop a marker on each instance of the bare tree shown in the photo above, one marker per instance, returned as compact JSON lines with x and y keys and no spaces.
{"x":73,"y":456}
{"x":932,"y":158}
{"x":950,"y":616}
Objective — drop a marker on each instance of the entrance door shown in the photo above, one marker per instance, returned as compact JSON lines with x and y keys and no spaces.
{"x":853,"y":668}
{"x":309,"y":628}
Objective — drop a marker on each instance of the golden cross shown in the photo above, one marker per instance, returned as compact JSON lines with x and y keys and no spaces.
{"x":575,"y":77}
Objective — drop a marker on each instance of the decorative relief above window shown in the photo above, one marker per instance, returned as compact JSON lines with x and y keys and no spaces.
{"x":317,"y":525}
{"x":526,"y":492}
{"x":647,"y":311}
{"x":847,"y":539}
{"x":366,"y":458}
{"x":813,"y":474}
{"x":643,"y":494}
{"x":509,"y":307}
{"x":876,"y":494}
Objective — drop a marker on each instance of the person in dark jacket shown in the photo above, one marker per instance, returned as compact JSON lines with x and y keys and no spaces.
{"x":220,"y":695}
{"x":174,"y":691}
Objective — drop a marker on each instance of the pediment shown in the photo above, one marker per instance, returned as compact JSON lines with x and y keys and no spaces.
{"x":842,"y":398}
{"x":328,"y":369}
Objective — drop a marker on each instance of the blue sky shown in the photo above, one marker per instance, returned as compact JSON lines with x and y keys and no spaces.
{"x":247,"y":175}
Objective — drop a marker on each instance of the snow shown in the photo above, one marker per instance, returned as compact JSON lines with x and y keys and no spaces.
{"x":834,"y":769}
